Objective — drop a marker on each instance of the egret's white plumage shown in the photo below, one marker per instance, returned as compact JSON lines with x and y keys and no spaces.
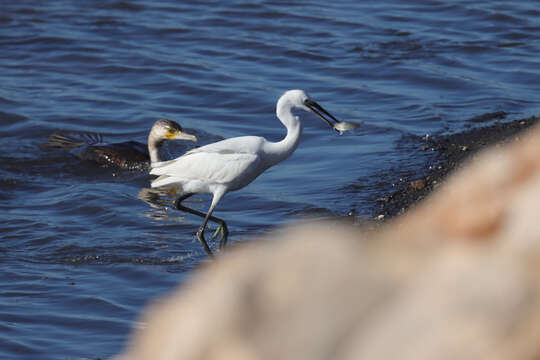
{"x":233,"y":163}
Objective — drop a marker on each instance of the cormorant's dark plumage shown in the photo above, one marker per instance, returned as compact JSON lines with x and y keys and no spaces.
{"x":129,"y":155}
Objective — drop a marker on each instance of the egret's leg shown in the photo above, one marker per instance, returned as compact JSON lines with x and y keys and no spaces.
{"x":179,"y":206}
{"x":200,"y":232}
{"x":222,"y":228}
{"x":222,"y":224}
{"x":218,"y":194}
{"x":181,"y":198}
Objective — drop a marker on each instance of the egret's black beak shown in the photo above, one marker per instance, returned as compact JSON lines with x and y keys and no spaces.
{"x":320,"y":112}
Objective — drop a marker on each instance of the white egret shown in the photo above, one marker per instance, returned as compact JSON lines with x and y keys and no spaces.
{"x":233,"y":163}
{"x":128,"y":155}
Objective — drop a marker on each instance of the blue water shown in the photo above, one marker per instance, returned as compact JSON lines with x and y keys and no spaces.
{"x":81,"y":254}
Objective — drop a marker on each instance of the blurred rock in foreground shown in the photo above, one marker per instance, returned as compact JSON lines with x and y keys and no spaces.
{"x":458,"y":277}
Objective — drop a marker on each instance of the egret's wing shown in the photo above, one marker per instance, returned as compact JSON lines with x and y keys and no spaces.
{"x":218,"y":167}
{"x":233,"y":162}
{"x":212,"y":157}
{"x":237,"y":145}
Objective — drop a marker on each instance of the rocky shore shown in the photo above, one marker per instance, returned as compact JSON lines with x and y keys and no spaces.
{"x":450,"y":152}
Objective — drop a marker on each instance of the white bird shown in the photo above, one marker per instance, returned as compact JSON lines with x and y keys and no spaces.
{"x":233,"y":163}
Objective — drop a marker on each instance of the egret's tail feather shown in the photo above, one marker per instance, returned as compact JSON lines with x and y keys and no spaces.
{"x":159,"y":164}
{"x":166,"y":182}
{"x":70,"y":141}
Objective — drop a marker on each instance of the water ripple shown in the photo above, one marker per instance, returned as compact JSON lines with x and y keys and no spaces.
{"x":83,"y":251}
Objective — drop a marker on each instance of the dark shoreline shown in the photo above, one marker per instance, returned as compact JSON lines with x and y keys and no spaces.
{"x":449,"y":153}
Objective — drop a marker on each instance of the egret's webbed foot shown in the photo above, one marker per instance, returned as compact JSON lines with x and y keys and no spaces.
{"x":224,"y":234}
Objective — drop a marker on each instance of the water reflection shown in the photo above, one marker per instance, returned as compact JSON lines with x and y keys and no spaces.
{"x":154,"y":197}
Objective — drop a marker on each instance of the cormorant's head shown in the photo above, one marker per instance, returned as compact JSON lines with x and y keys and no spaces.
{"x":171,"y":130}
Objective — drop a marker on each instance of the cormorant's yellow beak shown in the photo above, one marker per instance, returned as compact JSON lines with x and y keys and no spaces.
{"x":180,"y":135}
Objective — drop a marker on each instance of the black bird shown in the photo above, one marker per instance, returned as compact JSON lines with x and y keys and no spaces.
{"x":129,"y":155}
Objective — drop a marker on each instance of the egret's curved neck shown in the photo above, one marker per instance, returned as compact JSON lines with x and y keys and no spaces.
{"x":154,"y":143}
{"x":281,"y":150}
